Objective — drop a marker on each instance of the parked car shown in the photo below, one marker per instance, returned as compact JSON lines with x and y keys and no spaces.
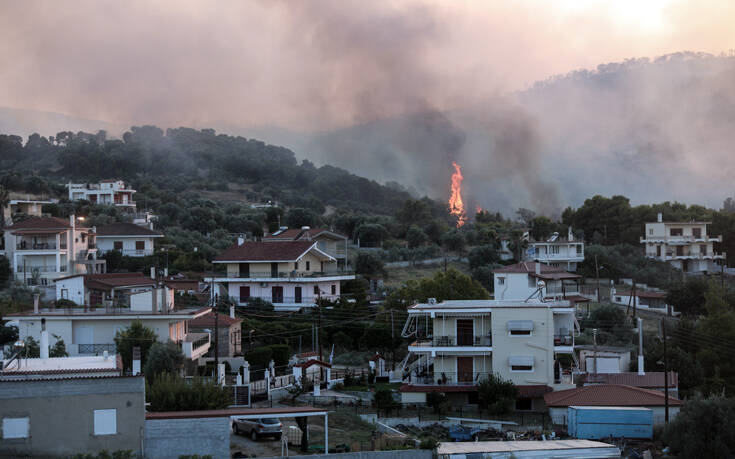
{"x":256,"y":428}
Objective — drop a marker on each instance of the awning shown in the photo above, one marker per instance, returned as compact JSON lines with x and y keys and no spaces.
{"x":525,"y":325}
{"x":520,"y":360}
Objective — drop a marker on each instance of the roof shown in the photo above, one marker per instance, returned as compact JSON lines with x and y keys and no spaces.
{"x":469,"y":447}
{"x":295,"y":234}
{"x":274,"y":251}
{"x":125,"y":229}
{"x":182,"y":284}
{"x":41,"y":223}
{"x":608,"y":395}
{"x":108,"y":281}
{"x":600,"y":348}
{"x":533,"y":391}
{"x":545,"y":271}
{"x":264,"y":412}
{"x":577,"y":298}
{"x":312,"y":362}
{"x":108,"y":313}
{"x":649,"y":380}
{"x":207,"y":320}
{"x":66,"y":365}
{"x":485,"y":304}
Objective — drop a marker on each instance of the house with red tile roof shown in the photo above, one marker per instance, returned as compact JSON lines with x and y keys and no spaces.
{"x":41,"y":249}
{"x":127,"y":238}
{"x":522,"y":280}
{"x":229,"y":333}
{"x":611,"y":395}
{"x":327,"y":240}
{"x":290,"y":274}
{"x":640,"y":298}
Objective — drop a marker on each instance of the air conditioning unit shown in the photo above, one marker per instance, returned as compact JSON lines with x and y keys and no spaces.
{"x":264,"y":284}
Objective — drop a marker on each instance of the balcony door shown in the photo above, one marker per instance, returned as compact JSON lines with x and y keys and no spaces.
{"x":274,"y":269}
{"x":297,"y":294}
{"x":277,"y":294}
{"x":244,"y":270}
{"x":464,"y":369}
{"x":464,"y":332}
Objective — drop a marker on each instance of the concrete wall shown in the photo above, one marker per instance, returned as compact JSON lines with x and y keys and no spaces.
{"x":402,"y":454}
{"x":61,"y":414}
{"x":171,"y":438}
{"x":107,"y":244}
{"x":71,"y":289}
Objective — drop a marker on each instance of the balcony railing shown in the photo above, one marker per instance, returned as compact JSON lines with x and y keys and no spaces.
{"x":136,"y":252}
{"x":455,"y":341}
{"x":285,"y":299}
{"x":284,"y":275}
{"x":29,"y":245}
{"x":440,"y":378}
{"x":96,"y":349}
{"x":40,"y":269}
{"x":563,"y":340}
{"x":194,"y":345}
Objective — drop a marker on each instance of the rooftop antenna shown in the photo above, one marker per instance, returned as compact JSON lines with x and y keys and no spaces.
{"x":539,"y":292}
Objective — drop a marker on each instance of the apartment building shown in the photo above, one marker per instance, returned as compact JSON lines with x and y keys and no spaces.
{"x":685,"y":245}
{"x":556,"y":251}
{"x":289,"y":274}
{"x":41,"y":249}
{"x":110,"y":192}
{"x":327,"y":241}
{"x":129,"y":239}
{"x":460,"y":342}
{"x":520,"y":281}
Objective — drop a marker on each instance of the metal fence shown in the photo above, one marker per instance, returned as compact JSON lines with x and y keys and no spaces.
{"x":96,"y":349}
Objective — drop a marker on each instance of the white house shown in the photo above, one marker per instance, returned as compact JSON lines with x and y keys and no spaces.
{"x":557,"y":251}
{"x":685,"y":245}
{"x":327,"y":240}
{"x":289,"y":274}
{"x":519,"y":281}
{"x":41,"y":249}
{"x":127,"y":238}
{"x":641,"y":298}
{"x":110,"y":192}
{"x":604,"y":359}
{"x":111,"y":289}
{"x":460,"y":342}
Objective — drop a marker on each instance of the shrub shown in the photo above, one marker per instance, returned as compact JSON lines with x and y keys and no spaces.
{"x":163,"y":358}
{"x":64,"y":303}
{"x":497,"y":394}
{"x":437,"y":401}
{"x":428,"y":443}
{"x":169,"y":392}
{"x":703,"y":428}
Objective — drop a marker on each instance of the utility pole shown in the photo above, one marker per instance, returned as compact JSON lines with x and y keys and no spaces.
{"x":641,"y":371}
{"x":666,"y":374}
{"x":597,"y":271}
{"x":594,"y":338}
{"x":216,"y":343}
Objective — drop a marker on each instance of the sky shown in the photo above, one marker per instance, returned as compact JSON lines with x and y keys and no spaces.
{"x":318,"y":65}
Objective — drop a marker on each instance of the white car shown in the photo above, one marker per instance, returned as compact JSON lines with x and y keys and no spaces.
{"x":256,"y":428}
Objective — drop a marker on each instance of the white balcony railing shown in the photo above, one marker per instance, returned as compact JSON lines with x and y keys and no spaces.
{"x":195,"y":345}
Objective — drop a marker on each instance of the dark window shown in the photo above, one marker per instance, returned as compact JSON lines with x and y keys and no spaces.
{"x":316,"y":290}
{"x":277,"y":293}
{"x":524,"y":404}
{"x":297,"y":294}
{"x":117,"y":245}
{"x":676,"y":231}
{"x":334,"y":289}
{"x":244,"y":293}
{"x":697,"y":232}
{"x":521,"y":368}
{"x":244,"y":270}
{"x":139,"y":245}
{"x":520,"y":332}
{"x":296,"y":266}
{"x":308,"y":266}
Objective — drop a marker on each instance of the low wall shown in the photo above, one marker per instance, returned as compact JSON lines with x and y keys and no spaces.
{"x":400,"y":454}
{"x":415,"y":422}
{"x":171,"y":438}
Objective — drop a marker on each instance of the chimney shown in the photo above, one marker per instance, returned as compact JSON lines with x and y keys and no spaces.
{"x":305,"y":232}
{"x":36,"y":299}
{"x":660,"y":217}
{"x":538,"y":267}
{"x":153,"y":272}
{"x":240,"y":240}
{"x":44,"y":340}
{"x":136,"y":360}
{"x":232,"y":312}
{"x":570,"y":235}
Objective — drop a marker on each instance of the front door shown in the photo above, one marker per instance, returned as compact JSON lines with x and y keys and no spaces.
{"x":277,"y":293}
{"x":297,"y":295}
{"x":464,"y":369}
{"x":464,"y":332}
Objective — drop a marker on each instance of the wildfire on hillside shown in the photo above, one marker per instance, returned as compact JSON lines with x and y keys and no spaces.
{"x":456,"y":206}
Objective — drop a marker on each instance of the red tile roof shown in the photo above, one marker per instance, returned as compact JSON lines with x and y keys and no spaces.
{"x":608,"y":395}
{"x":207,"y":320}
{"x":283,"y":251}
{"x":109,"y":280}
{"x":312,"y":362}
{"x":546,"y":271}
{"x":649,"y":380}
{"x":125,"y":229}
{"x":41,"y":223}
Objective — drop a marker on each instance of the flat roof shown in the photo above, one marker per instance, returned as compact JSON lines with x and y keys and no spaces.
{"x":484,"y":304}
{"x":514,"y":446}
{"x":240,"y":412}
{"x":60,"y":313}
{"x":59,"y":365}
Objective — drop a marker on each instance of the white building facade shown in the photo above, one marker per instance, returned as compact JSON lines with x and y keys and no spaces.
{"x":685,"y":245}
{"x":108,"y":192}
{"x":557,"y":251}
{"x":127,"y":238}
{"x":521,"y":281}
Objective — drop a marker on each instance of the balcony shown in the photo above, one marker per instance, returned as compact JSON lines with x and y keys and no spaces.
{"x":195,"y":345}
{"x":136,"y":252}
{"x":38,"y":245}
{"x":96,"y":349}
{"x":448,"y":378}
{"x":292,"y":275}
{"x":276,"y":300}
{"x":456,"y":341}
{"x":29,"y":269}
{"x":679,"y":240}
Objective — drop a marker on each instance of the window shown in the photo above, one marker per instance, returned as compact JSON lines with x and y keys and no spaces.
{"x":524,"y":404}
{"x":64,"y":294}
{"x":676,"y":232}
{"x":308,"y":266}
{"x":650,"y":231}
{"x":139,"y":245}
{"x":554,"y":249}
{"x":618,"y":299}
{"x":117,"y":245}
{"x":296,"y":266}
{"x":697,"y":232}
{"x":520,"y":327}
{"x":521,"y":363}
{"x":501,"y":280}
{"x":16,"y":427}
{"x":334,"y":289}
{"x":316,"y":290}
{"x":105,"y":422}
{"x":244,"y":293}
{"x":579,"y":249}
{"x":703,"y":249}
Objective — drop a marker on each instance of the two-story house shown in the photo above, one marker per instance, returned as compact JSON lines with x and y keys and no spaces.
{"x":41,"y":249}
{"x":328,"y":241}
{"x":109,"y":192}
{"x":685,"y":245}
{"x":557,"y":251}
{"x":521,"y":280}
{"x":460,"y":342}
{"x":229,"y":333}
{"x":127,"y":238}
{"x":289,"y":274}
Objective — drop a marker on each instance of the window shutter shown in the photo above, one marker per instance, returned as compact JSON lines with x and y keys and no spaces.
{"x":105,"y":422}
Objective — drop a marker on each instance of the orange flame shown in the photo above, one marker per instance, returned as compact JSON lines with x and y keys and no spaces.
{"x":478,"y":209}
{"x":456,"y":206}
